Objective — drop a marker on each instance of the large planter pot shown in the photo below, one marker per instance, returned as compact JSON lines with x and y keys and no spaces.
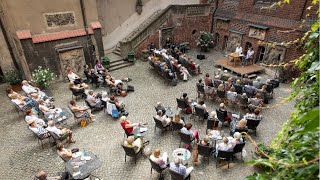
{"x":139,"y":9}
{"x":16,"y":87}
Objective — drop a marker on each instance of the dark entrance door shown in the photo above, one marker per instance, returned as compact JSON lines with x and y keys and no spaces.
{"x":261,"y":52}
{"x":1,"y":74}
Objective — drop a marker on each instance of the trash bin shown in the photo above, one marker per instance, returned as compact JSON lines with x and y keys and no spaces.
{"x":131,"y":56}
{"x":145,"y":54}
{"x":105,"y":61}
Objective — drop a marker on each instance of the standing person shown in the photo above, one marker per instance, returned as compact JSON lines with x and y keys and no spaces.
{"x":249,"y":56}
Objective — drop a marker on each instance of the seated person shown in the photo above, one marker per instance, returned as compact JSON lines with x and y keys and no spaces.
{"x":47,"y":109}
{"x":163,"y":118}
{"x":30,"y":90}
{"x":115,"y":101}
{"x":135,"y":144}
{"x":73,"y":77}
{"x":243,"y":100}
{"x":232,"y":95}
{"x":208,"y":80}
{"x":225,"y":145}
{"x":237,"y":139}
{"x":229,"y":84}
{"x":81,"y":111}
{"x":38,"y":130}
{"x":193,"y":133}
{"x":37,"y":120}
{"x":241,"y":125}
{"x":160,"y":107}
{"x":246,"y":80}
{"x":98,"y":67}
{"x":225,"y":76}
{"x":104,"y":99}
{"x":222,"y":108}
{"x":213,"y":117}
{"x":257,"y":83}
{"x":162,"y":161}
{"x":217,"y":82}
{"x":65,"y":154}
{"x":249,"y":56}
{"x":249,"y":89}
{"x":78,"y":89}
{"x":64,"y":133}
{"x":194,"y":67}
{"x":93,"y":99}
{"x":127,"y":125}
{"x":177,"y":119}
{"x":205,"y":141}
{"x":221,"y":88}
{"x":42,"y":175}
{"x":202,"y":105}
{"x":184,"y":73}
{"x":11,"y":92}
{"x":23,"y":103}
{"x":186,"y":99}
{"x":255,"y":102}
{"x":177,"y":167}
{"x":169,"y":73}
{"x":253,"y":115}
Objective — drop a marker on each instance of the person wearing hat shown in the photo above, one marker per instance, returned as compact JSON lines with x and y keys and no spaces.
{"x":38,"y":130}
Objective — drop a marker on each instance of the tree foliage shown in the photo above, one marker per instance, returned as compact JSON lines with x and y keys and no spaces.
{"x":296,"y":148}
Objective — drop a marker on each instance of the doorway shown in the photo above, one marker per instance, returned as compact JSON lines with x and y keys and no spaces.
{"x":261,"y":52}
{"x":246,"y":47}
{"x":1,"y":75}
{"x":225,"y":42}
{"x":217,"y":40}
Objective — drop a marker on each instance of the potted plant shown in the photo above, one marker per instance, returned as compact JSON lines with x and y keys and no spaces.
{"x":139,"y":6}
{"x":42,"y":77}
{"x":205,"y":41}
{"x":14,"y":78}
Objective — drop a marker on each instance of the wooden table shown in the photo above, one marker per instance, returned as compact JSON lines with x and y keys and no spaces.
{"x":235,"y":57}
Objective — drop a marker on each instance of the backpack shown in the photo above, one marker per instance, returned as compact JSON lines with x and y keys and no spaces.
{"x":115,"y":113}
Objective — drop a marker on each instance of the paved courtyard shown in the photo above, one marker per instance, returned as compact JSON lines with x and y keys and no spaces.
{"x":21,"y":155}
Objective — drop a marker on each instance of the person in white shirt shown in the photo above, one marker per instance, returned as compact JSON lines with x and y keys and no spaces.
{"x":38,"y":130}
{"x":162,"y":161}
{"x":232,"y":95}
{"x":238,"y":49}
{"x":225,"y":145}
{"x":93,"y":100}
{"x":163,"y":118}
{"x":31,"y":116}
{"x":27,"y":88}
{"x":249,"y":55}
{"x":63,"y":133}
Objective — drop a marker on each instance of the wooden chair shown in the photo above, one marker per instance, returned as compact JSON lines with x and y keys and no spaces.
{"x":130,"y":152}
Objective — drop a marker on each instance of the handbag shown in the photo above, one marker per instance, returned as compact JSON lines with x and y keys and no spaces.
{"x":115,"y":113}
{"x":83,"y":123}
{"x":189,"y":110}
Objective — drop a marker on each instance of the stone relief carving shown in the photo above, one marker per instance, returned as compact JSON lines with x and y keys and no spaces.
{"x":257,"y":33}
{"x":73,"y":58}
{"x":234,"y":40}
{"x":274,"y":55}
{"x":59,"y":19}
{"x":222,"y":24}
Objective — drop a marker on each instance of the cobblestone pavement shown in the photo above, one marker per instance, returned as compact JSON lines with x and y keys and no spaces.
{"x":21,"y":155}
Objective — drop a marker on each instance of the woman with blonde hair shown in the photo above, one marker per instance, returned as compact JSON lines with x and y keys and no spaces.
{"x":162,"y":161}
{"x":135,"y":144}
{"x":242,"y":124}
{"x":177,"y":119}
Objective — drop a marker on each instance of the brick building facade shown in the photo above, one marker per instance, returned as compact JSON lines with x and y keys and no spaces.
{"x":253,"y":23}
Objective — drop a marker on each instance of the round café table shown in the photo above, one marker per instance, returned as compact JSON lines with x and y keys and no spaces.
{"x":182,"y":154}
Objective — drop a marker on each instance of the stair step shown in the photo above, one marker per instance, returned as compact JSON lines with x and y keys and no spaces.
{"x":120,"y":66}
{"x":112,"y":62}
{"x":117,"y":53}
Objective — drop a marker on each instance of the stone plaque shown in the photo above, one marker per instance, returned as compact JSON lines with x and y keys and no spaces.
{"x":195,"y":11}
{"x":73,"y":58}
{"x":220,"y":24}
{"x":257,"y":33}
{"x":59,"y":19}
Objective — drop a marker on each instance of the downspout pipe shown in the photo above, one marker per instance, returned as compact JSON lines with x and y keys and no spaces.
{"x":214,"y":12}
{"x":84,"y":19}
